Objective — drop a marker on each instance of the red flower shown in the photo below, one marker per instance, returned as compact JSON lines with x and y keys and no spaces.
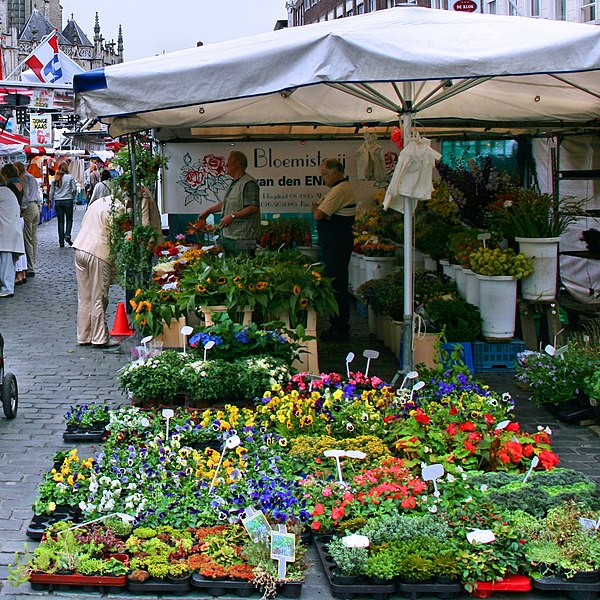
{"x":409,"y":502}
{"x":451,"y":429}
{"x":528,"y":450}
{"x":319,"y":509}
{"x":453,"y":410}
{"x":338,"y":512}
{"x":514,"y":426}
{"x":514,"y":450}
{"x":316,"y":525}
{"x":470,"y":447}
{"x":488,"y":419}
{"x":541,"y":438}
{"x":548,"y":459}
{"x":468,"y":426}
{"x":421,"y":417}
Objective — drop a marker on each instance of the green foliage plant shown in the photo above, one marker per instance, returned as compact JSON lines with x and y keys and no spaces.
{"x":349,"y":561}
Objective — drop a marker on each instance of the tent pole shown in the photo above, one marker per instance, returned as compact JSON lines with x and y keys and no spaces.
{"x":408,"y":351}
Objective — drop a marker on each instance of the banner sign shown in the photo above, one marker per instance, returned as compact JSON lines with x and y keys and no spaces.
{"x":40,"y":129}
{"x":464,"y":5}
{"x":287,"y":172}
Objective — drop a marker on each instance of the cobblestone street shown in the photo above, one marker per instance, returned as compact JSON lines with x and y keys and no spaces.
{"x":38,"y":325}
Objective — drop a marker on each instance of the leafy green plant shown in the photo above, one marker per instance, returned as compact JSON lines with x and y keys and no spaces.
{"x":383,"y":564}
{"x":459,"y":320}
{"x":526,"y":213}
{"x":87,"y":415}
{"x":349,"y":561}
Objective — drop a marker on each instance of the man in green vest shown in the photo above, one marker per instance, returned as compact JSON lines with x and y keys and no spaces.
{"x":240,"y":209}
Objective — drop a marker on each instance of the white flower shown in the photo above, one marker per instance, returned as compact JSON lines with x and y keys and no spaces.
{"x":450,"y":478}
{"x":484,"y":488}
{"x":433,"y":509}
{"x":437,"y":494}
{"x":469,"y":499}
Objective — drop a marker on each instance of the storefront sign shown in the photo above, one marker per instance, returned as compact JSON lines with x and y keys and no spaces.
{"x":287,"y":173}
{"x":40,"y":128}
{"x":464,"y":5}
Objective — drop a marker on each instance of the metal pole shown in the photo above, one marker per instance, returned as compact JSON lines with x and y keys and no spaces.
{"x":408,"y":350}
{"x":135,"y":207}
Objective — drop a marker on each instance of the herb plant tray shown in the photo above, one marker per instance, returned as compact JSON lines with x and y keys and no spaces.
{"x":362,"y":588}
{"x":53,"y":582}
{"x":84,"y":434}
{"x":39,"y":523}
{"x":167,"y":586}
{"x":242,"y":589}
{"x":440,"y":590}
{"x":575,"y":589}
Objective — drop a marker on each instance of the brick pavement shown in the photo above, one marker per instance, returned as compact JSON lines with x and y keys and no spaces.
{"x":38,"y":325}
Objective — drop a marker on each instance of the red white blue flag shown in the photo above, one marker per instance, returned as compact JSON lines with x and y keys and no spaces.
{"x":44,"y":61}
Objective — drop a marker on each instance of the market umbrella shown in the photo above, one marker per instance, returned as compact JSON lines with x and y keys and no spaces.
{"x":439,"y":67}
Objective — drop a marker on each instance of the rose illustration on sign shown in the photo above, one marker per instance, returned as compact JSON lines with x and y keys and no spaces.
{"x":204,"y":179}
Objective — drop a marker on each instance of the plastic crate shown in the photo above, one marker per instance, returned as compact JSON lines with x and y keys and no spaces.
{"x":496,"y":357}
{"x":361,"y":309}
{"x":466,"y":354}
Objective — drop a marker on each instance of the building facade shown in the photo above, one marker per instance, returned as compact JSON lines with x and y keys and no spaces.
{"x":303,"y":12}
{"x":24,"y":23}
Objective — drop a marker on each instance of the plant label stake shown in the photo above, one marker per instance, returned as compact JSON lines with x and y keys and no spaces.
{"x":337,"y":454}
{"x":283,"y":549}
{"x":311,"y":378}
{"x":349,"y":359}
{"x":433,"y":473}
{"x":550,"y":350}
{"x":167,"y":413}
{"x":185,"y":331}
{"x":355,"y":541}
{"x":481,"y":536}
{"x":356,"y":454}
{"x":587,"y":524}
{"x":256,"y":524}
{"x":415,"y":388}
{"x":557,"y":334}
{"x":409,"y":375}
{"x":484,"y":237}
{"x":369,"y":354}
{"x":561,"y":350}
{"x":535,"y":461}
{"x":145,"y":341}
{"x":502,"y":425}
{"x":230,"y":443}
{"x":210,"y":344}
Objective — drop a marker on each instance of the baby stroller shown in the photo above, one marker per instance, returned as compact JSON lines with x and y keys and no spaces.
{"x":9,"y":391}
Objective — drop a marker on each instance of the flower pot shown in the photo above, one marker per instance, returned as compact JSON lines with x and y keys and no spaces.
{"x":572,"y":410}
{"x":418,"y":260}
{"x":541,"y":284}
{"x":377,"y":267}
{"x":354,"y":271}
{"x":429,"y":263}
{"x":372,"y":319}
{"x":586,"y":577}
{"x":461,"y":280}
{"x":362,"y":269}
{"x":498,"y":300}
{"x":388,"y":332}
{"x":397,"y":334}
{"x":471,"y":287}
{"x":447,"y":269}
{"x":311,"y":251}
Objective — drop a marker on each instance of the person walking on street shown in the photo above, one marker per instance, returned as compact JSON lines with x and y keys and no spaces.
{"x":240,"y":220}
{"x":93,"y":268}
{"x":335,"y":217}
{"x":30,"y":211}
{"x":63,"y":193}
{"x":11,"y":239}
{"x":102,"y":188}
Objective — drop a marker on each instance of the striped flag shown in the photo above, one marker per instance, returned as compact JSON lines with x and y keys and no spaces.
{"x":44,"y":61}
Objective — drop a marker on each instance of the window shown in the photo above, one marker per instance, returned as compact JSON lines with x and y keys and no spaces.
{"x":360,"y":9}
{"x":491,"y":7}
{"x":561,"y":10}
{"x":588,"y":11}
{"x":535,"y":8}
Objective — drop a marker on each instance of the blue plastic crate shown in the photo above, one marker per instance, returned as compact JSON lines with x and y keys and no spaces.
{"x":496,"y":357}
{"x":466,"y":354}
{"x":361,"y":309}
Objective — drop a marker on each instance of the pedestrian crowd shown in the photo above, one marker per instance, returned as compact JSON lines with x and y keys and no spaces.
{"x":21,"y":202}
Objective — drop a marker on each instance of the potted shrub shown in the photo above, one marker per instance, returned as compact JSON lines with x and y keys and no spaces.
{"x":350,"y":563}
{"x":498,"y":271}
{"x":536,"y":221}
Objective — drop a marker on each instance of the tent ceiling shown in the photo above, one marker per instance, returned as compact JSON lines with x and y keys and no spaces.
{"x":447,"y":69}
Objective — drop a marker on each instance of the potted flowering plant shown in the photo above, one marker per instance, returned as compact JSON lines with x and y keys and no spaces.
{"x":87,"y":416}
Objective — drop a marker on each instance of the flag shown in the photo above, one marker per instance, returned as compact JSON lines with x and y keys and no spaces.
{"x":44,"y":61}
{"x":68,"y":67}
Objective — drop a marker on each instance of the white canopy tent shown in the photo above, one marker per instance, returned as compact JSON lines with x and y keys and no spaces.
{"x":439,"y":68}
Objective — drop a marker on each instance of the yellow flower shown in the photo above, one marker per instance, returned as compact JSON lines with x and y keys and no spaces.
{"x":71,"y":480}
{"x":338,"y":394}
{"x":87,"y":464}
{"x":237,"y":279}
{"x":316,"y":275}
{"x":200,"y":289}
{"x":222,"y":280}
{"x":261,"y":285}
{"x":296,"y":290}
{"x":138,"y":291}
{"x":58,"y":477}
{"x":51,"y":506}
{"x":303,"y":302}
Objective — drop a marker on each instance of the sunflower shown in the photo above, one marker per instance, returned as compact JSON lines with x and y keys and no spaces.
{"x":261,"y":285}
{"x":200,"y":289}
{"x":237,"y":279}
{"x":296,"y":289}
{"x":221,"y":280}
{"x":303,"y":302}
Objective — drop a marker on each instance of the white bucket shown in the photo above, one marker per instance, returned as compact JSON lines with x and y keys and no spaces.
{"x":448,"y":269}
{"x":461,"y":280}
{"x":541,"y":284}
{"x":430,"y":264}
{"x":378,"y":266}
{"x":497,"y":305}
{"x":472,"y":287}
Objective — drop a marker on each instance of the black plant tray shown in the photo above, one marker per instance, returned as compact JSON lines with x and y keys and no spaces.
{"x":160,"y":586}
{"x":71,"y":583}
{"x":574,"y":589}
{"x":243,"y":589}
{"x":367,"y":588}
{"x":441,"y":590}
{"x":79,"y":434}
{"x":39,"y":523}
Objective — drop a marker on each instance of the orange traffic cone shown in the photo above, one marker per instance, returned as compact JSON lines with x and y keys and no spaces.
{"x":121,"y":326}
